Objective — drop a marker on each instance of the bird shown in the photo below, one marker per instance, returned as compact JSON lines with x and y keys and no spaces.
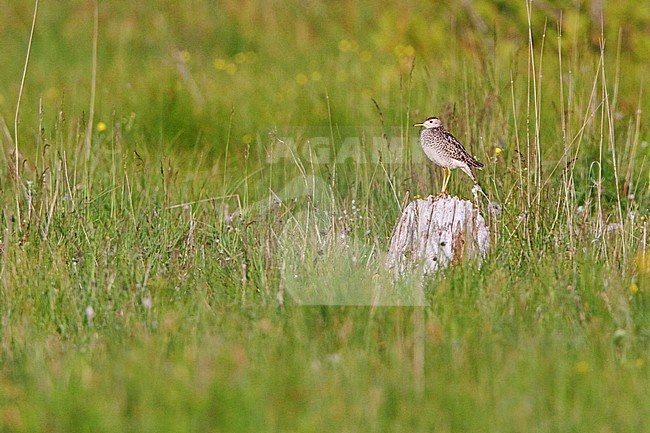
{"x":444,"y":150}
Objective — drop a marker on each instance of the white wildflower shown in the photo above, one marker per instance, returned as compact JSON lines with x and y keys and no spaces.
{"x":90,"y":314}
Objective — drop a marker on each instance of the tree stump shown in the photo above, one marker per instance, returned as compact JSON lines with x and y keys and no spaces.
{"x":434,"y":232}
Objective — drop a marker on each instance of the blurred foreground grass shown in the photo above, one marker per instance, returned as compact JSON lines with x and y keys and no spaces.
{"x":150,"y":282}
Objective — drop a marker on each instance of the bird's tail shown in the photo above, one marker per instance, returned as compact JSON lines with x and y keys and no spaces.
{"x":474,"y":163}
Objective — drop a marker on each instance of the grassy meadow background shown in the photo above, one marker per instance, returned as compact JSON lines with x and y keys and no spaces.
{"x":155,"y":236}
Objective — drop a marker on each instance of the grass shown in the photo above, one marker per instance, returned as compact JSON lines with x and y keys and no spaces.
{"x":243,"y":156}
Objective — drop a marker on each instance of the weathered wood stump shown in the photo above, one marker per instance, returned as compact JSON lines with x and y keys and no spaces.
{"x":432,"y":233}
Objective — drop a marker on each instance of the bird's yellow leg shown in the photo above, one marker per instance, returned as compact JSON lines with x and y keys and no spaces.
{"x":445,"y":181}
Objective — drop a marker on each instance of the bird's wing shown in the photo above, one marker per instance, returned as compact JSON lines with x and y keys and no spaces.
{"x":459,"y":152}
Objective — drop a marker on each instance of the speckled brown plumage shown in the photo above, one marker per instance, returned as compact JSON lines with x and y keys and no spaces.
{"x":444,"y":150}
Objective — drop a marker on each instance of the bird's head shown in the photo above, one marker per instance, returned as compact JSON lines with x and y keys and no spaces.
{"x":431,"y":122}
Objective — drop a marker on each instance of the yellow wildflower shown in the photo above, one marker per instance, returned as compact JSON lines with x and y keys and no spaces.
{"x":220,"y":64}
{"x":402,"y":51}
{"x":185,"y":56}
{"x":301,"y":79}
{"x":101,"y":126}
{"x":241,"y":58}
{"x":583,"y":367}
{"x":231,"y":69}
{"x":345,"y":45}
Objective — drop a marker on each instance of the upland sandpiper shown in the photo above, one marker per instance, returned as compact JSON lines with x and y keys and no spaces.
{"x":444,"y":150}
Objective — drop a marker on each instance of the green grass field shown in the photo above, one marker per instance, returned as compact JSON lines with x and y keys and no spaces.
{"x":174,"y":196}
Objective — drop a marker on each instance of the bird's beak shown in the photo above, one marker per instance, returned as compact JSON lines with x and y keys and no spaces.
{"x":418,"y":124}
